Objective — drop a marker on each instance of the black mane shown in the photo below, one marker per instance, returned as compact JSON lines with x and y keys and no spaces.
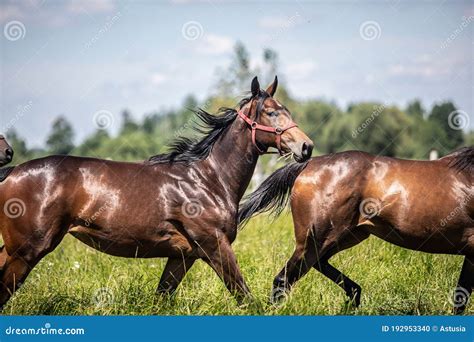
{"x":187,"y":150}
{"x":462,"y":159}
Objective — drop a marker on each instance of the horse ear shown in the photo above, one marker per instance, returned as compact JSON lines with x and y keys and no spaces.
{"x":272,"y":88}
{"x":255,"y":87}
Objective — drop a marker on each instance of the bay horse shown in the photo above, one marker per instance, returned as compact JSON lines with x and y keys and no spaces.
{"x":6,"y":151}
{"x":181,"y":205}
{"x":338,"y":200}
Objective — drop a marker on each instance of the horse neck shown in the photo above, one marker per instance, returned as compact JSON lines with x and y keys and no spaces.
{"x":234,"y":158}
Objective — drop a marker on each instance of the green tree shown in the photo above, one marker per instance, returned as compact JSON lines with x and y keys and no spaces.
{"x":440,"y":114}
{"x":415,"y":109}
{"x":314,"y":116}
{"x":336,"y":135}
{"x":92,"y":144}
{"x":60,"y":140}
{"x":469,"y":138}
{"x":380,"y":129}
{"x":128,"y":124}
{"x":150,"y":122}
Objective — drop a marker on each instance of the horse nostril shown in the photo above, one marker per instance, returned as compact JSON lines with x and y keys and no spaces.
{"x":9,"y":152}
{"x":307,"y":149}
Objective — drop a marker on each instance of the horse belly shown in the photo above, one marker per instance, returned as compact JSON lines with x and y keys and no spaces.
{"x":447,"y":240}
{"x":165,"y":241}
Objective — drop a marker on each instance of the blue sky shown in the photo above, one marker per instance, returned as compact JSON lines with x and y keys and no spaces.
{"x":75,"y":58}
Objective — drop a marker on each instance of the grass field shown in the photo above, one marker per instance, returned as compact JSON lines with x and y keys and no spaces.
{"x":77,"y":280}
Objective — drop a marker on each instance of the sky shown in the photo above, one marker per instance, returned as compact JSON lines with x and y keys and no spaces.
{"x":78,"y":58}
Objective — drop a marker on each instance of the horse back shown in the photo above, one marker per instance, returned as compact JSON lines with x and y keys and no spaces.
{"x":58,"y":180}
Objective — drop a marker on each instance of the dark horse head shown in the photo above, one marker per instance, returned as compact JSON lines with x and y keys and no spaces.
{"x":6,"y":152}
{"x":272,"y":124}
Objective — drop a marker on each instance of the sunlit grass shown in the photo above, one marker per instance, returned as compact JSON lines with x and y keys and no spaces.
{"x":77,"y":280}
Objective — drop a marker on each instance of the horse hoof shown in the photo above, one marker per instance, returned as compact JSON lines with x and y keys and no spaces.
{"x":278,"y":296}
{"x":459,"y":310}
{"x":356,"y":301}
{"x":354,"y":297}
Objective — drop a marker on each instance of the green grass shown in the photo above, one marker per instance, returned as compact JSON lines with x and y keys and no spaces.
{"x":77,"y":280}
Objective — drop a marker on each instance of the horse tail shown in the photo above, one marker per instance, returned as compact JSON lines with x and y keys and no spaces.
{"x":273,"y":194}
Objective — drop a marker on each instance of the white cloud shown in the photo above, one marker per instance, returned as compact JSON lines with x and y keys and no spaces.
{"x":90,"y":6}
{"x":369,"y":78}
{"x":158,"y":79}
{"x":415,"y":70}
{"x":301,"y":70}
{"x":213,"y":44}
{"x":425,"y":58}
{"x":280,"y":22}
{"x":54,"y":16}
{"x":410,"y":70}
{"x":423,"y":65}
{"x":10,"y":12}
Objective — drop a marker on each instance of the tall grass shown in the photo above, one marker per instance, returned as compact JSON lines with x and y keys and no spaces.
{"x":77,"y":280}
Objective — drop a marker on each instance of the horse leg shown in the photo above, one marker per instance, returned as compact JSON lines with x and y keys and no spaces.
{"x":23,"y":257}
{"x":297,"y":266}
{"x":3,"y":259}
{"x":219,"y":255}
{"x":14,"y":274}
{"x":174,"y":272}
{"x":465,"y":284}
{"x":315,"y":252}
{"x":352,"y":289}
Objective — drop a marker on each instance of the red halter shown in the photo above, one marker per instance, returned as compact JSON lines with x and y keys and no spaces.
{"x":255,"y":126}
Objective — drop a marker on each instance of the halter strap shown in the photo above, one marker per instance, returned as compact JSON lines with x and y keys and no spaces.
{"x":255,"y":126}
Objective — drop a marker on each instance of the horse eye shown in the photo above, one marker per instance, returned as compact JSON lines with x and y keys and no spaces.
{"x":274,"y":113}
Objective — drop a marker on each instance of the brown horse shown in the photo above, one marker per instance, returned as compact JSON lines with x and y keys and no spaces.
{"x":6,"y":151}
{"x":338,"y":200}
{"x":182,"y":205}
